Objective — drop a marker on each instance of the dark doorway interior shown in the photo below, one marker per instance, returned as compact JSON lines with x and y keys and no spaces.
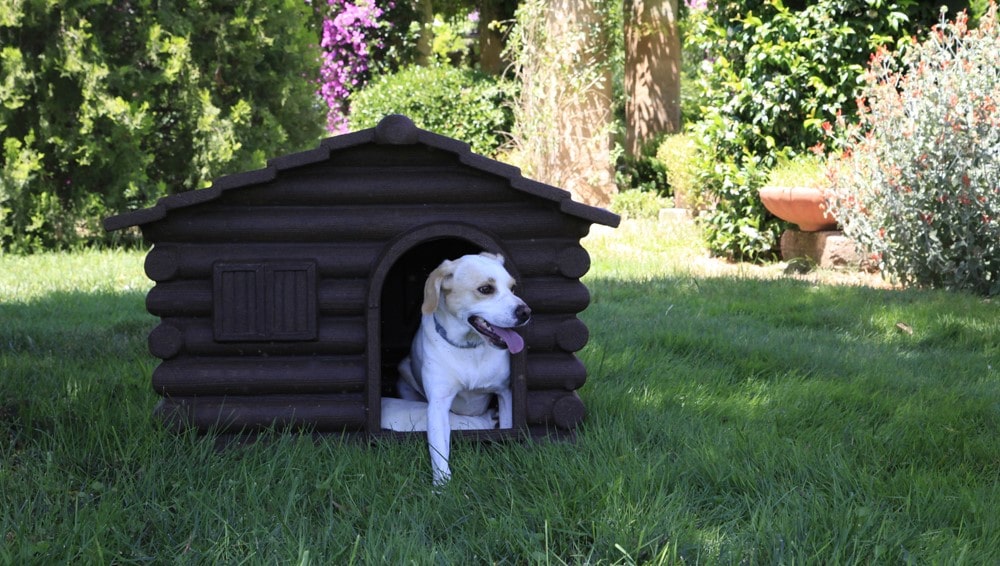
{"x":402,"y":296}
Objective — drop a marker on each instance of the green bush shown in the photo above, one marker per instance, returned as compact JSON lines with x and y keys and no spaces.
{"x":643,"y":173}
{"x":773,"y":76}
{"x":650,"y":182}
{"x":458,"y":103}
{"x":691,"y":24}
{"x":677,"y":155}
{"x":918,"y":183}
{"x":637,"y":203}
{"x":106,"y":107}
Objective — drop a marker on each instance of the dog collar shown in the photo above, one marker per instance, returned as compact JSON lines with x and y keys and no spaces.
{"x":444,"y":334}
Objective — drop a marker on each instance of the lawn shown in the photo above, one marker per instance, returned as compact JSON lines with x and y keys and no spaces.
{"x":737,"y":415}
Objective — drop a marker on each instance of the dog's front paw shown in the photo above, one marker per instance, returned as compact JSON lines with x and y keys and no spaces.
{"x":441,"y":477}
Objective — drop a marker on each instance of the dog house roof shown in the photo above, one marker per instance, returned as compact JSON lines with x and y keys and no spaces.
{"x":393,"y":130}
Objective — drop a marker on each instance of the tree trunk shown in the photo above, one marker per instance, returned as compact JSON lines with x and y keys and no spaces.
{"x":491,"y":43}
{"x":652,"y":71}
{"x":425,"y":13}
{"x":585,"y":115}
{"x":562,"y":129}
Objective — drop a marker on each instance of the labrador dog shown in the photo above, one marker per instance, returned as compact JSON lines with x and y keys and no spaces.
{"x":460,"y":356}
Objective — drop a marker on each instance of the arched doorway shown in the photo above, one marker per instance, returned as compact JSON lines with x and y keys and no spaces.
{"x":396,"y":294}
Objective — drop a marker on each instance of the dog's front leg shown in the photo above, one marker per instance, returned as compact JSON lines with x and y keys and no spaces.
{"x":505,"y":406}
{"x":439,"y":437}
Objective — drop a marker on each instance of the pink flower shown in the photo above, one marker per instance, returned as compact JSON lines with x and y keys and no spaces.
{"x":347,"y":37}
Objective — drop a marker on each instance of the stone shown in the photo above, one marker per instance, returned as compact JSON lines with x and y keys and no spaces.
{"x":826,"y":248}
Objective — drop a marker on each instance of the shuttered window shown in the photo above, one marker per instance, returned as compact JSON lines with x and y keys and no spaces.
{"x":271,"y":301}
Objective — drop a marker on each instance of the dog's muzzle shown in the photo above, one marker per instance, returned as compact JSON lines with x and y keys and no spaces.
{"x":503,"y":338}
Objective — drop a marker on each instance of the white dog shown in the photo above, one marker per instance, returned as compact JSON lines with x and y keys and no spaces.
{"x":460,"y":356}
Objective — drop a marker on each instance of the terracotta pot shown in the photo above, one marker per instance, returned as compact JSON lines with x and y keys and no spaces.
{"x":803,"y":206}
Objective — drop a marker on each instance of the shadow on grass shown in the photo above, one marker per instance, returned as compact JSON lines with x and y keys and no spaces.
{"x":76,"y":324}
{"x":68,"y":356}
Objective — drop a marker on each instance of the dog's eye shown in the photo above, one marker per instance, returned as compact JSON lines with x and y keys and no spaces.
{"x":487,"y":289}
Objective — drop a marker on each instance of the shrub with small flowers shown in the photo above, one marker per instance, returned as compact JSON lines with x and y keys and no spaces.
{"x":349,"y":33}
{"x":917,"y":184}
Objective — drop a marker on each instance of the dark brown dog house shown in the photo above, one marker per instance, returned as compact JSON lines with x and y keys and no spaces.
{"x":288,"y":295}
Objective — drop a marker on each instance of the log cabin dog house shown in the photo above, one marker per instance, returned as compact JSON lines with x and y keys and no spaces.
{"x":288,"y":295}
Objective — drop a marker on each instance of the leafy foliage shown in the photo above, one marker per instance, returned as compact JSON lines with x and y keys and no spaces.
{"x":459,"y":103}
{"x":452,"y":37}
{"x":643,"y":173}
{"x":638,"y":203}
{"x":772,"y":76}
{"x":918,"y":184}
{"x":677,"y":153}
{"x":105,"y":108}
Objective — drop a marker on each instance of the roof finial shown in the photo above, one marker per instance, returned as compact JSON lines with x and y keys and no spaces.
{"x":396,"y":129}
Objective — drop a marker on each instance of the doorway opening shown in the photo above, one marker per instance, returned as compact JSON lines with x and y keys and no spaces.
{"x":402,"y":297}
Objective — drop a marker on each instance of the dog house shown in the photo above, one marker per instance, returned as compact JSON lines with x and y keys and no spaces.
{"x":288,"y":295}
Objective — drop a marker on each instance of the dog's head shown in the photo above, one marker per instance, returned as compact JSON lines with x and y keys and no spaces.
{"x":478,"y":290}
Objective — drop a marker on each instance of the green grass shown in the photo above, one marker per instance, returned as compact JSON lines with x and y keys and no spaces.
{"x":733,"y":419}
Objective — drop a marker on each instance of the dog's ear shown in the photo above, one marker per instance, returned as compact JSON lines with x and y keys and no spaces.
{"x":495,"y":257}
{"x":432,"y":289}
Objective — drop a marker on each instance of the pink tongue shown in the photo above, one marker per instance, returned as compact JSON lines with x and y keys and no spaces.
{"x":514,"y":341}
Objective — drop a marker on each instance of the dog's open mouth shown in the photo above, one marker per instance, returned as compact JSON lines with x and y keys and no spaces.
{"x":499,"y":337}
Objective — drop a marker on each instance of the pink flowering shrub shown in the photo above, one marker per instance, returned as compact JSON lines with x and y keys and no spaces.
{"x":917,"y":184}
{"x":349,"y":33}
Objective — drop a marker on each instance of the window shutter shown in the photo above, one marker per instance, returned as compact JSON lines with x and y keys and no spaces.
{"x":292,"y":304}
{"x":239,"y":301}
{"x":273,"y":301}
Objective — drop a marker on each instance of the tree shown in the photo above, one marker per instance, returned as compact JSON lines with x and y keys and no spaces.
{"x":491,"y":40}
{"x":563,"y":123}
{"x":425,"y":11}
{"x":652,"y":71}
{"x":108,"y":106}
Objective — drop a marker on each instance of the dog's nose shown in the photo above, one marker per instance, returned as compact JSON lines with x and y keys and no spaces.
{"x":522,"y":313}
